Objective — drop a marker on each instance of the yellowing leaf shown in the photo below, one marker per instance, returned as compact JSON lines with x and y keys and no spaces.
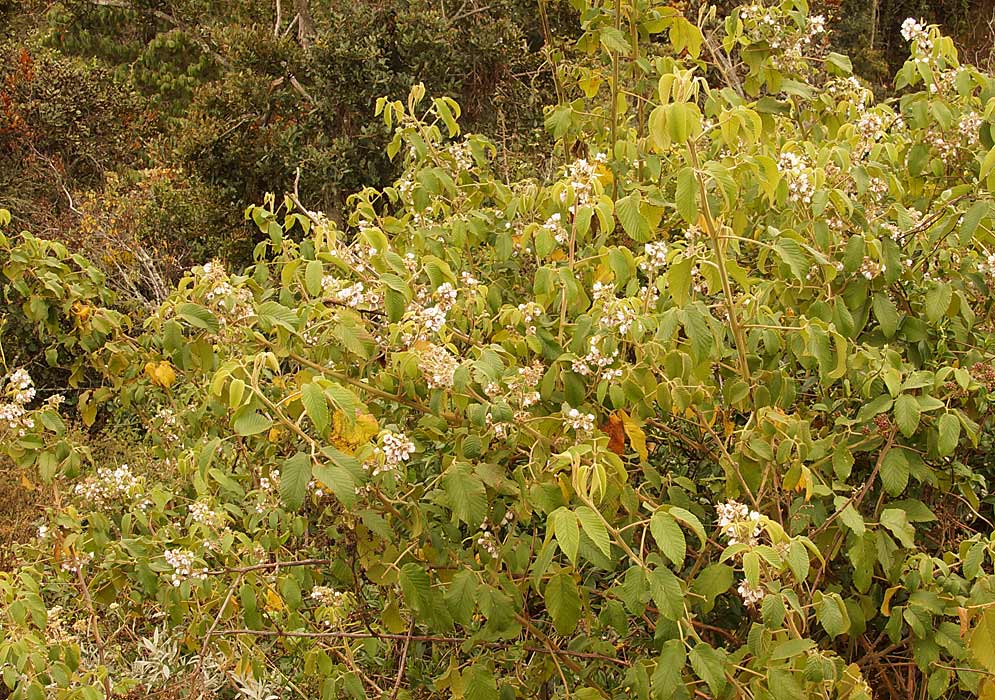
{"x":347,"y":436}
{"x":26,"y":483}
{"x":636,"y":435}
{"x":160,"y":373}
{"x":274,"y":603}
{"x":274,"y":434}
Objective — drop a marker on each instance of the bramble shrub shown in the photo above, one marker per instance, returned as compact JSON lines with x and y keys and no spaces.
{"x":707,"y":414}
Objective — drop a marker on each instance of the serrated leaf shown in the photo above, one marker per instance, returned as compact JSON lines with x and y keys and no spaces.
{"x":793,"y":256}
{"x":563,"y":602}
{"x":594,"y":527}
{"x":315,"y":405}
{"x":686,"y":196}
{"x":982,"y":640}
{"x":665,"y":589}
{"x":198,"y":316}
{"x":461,"y":596}
{"x":690,"y":520}
{"x":312,"y":277}
{"x":337,"y":478}
{"x":842,"y":461}
{"x":832,"y":614}
{"x":479,"y":684}
{"x":897,"y":522}
{"x":416,"y":586}
{"x":563,"y":523}
{"x":630,"y":215}
{"x":886,"y":314}
{"x":294,"y":477}
{"x":669,"y":537}
{"x":895,"y":471}
{"x":276,"y":314}
{"x":466,"y":494}
{"x":907,"y":414}
{"x":938,"y":300}
{"x":709,"y":665}
{"x":948,"y":434}
{"x":248,"y":422}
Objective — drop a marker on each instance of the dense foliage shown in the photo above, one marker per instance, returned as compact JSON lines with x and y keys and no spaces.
{"x":704,"y":413}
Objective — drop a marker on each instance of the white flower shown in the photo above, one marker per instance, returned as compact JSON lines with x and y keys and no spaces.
{"x":751,"y":596}
{"x":581,"y":422}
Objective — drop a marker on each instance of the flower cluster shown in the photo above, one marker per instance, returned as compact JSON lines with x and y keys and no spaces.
{"x":182,"y":562}
{"x":75,"y":564}
{"x":461,"y":154}
{"x":109,"y":485}
{"x":738,"y":523}
{"x":231,"y":304}
{"x":750,"y":595}
{"x":795,"y":170}
{"x":487,"y":540}
{"x":14,"y":414}
{"x":762,"y":24}
{"x":553,"y":225}
{"x":438,"y":365}
{"x":914,"y":31}
{"x":203,"y":514}
{"x":581,"y":422}
{"x":582,"y":175}
{"x":596,"y":361}
{"x":530,"y":312}
{"x":326,"y":595}
{"x":654,"y":258}
{"x":871,"y":268}
{"x":618,"y":314}
{"x":395,"y":449}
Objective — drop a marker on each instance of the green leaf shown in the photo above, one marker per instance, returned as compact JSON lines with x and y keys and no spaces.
{"x":897,"y":522}
{"x":938,"y":301}
{"x":665,"y":589}
{"x":198,"y":316}
{"x":461,"y":597}
{"x":594,"y":527}
{"x":798,"y":560}
{"x":792,"y":255}
{"x":686,"y":196}
{"x":416,"y":587}
{"x":276,"y":314}
{"x":886,"y":314}
{"x":690,"y":520}
{"x":831,"y":613}
{"x":842,"y":461}
{"x":563,"y":523}
{"x":710,"y":666}
{"x":669,"y":537}
{"x":338,"y":478}
{"x":466,"y":494}
{"x":247,"y":422}
{"x":294,"y":477}
{"x":315,"y":405}
{"x":563,"y":602}
{"x":791,"y":649}
{"x":895,"y":471}
{"x":632,"y":219}
{"x":713,"y":581}
{"x":948,"y":434}
{"x":907,"y":414}
{"x":982,"y":640}
{"x":313,"y":274}
{"x":479,"y":684}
